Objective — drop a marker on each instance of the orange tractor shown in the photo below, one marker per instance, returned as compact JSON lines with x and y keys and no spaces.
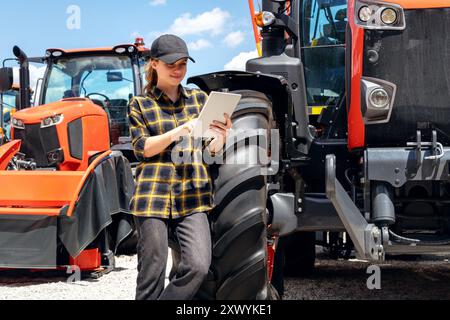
{"x":65,"y":186}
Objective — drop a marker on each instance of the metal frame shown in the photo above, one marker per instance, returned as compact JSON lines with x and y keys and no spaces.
{"x":366,"y":237}
{"x":399,"y":165}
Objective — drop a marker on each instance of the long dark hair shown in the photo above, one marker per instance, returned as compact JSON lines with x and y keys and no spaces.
{"x":151,"y":76}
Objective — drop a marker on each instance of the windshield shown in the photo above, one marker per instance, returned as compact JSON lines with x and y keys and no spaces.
{"x":106,"y":80}
{"x":323,"y":48}
{"x":9,"y":100}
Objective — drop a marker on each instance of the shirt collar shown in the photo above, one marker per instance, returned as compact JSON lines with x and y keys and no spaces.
{"x":184,"y":92}
{"x":158,"y":93}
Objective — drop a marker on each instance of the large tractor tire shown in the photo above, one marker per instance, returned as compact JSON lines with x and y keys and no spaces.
{"x":239,"y":220}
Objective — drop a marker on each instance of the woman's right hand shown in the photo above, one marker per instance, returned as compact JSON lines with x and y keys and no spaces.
{"x":183,"y":130}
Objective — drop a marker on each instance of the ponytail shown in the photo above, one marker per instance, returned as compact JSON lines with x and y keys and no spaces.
{"x":151,"y":76}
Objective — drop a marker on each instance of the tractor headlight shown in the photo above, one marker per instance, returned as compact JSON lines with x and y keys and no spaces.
{"x":379,"y":98}
{"x":377,"y":15}
{"x":17,"y":123}
{"x":365,"y":13}
{"x":389,"y":16}
{"x":52,"y":121}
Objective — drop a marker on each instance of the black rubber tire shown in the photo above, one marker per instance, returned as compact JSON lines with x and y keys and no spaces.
{"x":273,"y":293}
{"x":239,"y":221}
{"x":299,"y":254}
{"x":129,"y":246}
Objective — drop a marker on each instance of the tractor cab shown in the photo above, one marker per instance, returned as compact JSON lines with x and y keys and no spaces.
{"x":323,"y":25}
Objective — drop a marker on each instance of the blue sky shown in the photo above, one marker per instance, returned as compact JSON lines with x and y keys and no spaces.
{"x":217,"y":31}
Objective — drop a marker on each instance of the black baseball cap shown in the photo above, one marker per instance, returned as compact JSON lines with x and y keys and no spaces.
{"x":169,"y":48}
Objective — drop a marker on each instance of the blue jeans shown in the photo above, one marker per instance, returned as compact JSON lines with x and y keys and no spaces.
{"x":194,"y":237}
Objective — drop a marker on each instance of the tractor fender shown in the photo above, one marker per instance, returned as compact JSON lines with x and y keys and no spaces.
{"x":273,"y":86}
{"x":7,"y":152}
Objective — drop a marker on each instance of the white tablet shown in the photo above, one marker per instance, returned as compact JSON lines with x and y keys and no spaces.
{"x":217,"y":104}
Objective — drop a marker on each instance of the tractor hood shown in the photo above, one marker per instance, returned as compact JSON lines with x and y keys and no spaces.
{"x":71,"y":108}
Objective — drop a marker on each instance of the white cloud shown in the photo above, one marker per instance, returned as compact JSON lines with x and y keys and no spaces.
{"x":234,"y":39}
{"x":35,"y":74}
{"x":135,"y":34}
{"x":238,"y":62}
{"x":199,"y":45}
{"x":122,"y":93}
{"x":16,"y":75}
{"x":155,"y":3}
{"x":212,"y":22}
{"x":151,"y":36}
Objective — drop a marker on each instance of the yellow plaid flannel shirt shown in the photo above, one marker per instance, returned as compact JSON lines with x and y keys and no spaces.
{"x":165,"y":185}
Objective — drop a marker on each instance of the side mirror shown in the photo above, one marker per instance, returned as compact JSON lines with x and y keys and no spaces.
{"x":114,"y":76}
{"x":6,"y":79}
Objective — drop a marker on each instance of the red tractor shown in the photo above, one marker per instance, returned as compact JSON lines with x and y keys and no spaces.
{"x":358,"y":91}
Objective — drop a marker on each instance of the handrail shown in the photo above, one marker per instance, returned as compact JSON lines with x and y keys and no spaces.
{"x":87,"y":173}
{"x":255,"y":28}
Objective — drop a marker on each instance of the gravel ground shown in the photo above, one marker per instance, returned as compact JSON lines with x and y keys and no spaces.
{"x":427,"y":278}
{"x":119,"y":284}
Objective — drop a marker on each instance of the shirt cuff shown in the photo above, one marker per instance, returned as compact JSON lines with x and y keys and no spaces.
{"x":139,"y":147}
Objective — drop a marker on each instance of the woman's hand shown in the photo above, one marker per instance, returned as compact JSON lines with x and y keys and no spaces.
{"x":157,"y":144}
{"x":220,"y":130}
{"x":183,"y":130}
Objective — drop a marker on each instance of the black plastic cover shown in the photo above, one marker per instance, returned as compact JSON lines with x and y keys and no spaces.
{"x":37,"y":142}
{"x":75,"y":133}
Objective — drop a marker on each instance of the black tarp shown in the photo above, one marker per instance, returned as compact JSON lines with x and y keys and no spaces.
{"x":103,"y":203}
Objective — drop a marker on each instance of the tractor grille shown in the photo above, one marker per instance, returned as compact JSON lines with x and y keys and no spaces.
{"x":37,"y":142}
{"x":417,"y":60}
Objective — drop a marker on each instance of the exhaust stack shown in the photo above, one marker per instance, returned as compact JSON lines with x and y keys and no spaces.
{"x":25,"y":91}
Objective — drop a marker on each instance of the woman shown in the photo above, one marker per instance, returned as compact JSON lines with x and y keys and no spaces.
{"x":170,"y":194}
